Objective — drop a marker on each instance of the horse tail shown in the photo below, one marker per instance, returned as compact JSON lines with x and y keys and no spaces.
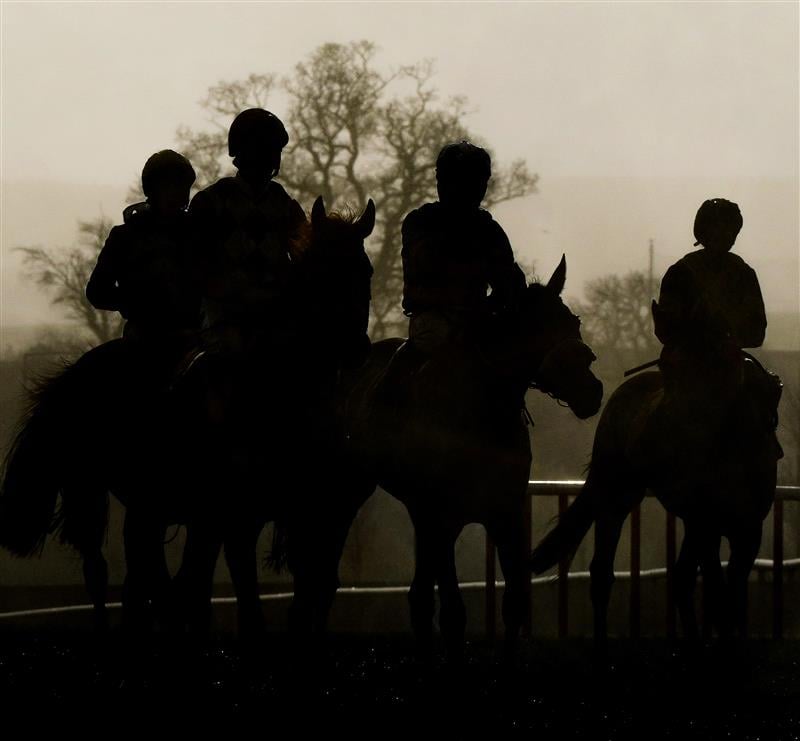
{"x":52,"y":435}
{"x":32,"y":477}
{"x":563,"y":540}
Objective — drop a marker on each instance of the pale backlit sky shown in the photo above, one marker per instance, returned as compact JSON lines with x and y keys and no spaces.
{"x":684,"y":92}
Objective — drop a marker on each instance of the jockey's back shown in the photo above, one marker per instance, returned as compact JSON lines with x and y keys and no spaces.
{"x":708,"y":298}
{"x":450,"y":259}
{"x":148,"y":269}
{"x":454,"y":252}
{"x":247,"y":235}
{"x":247,"y":226}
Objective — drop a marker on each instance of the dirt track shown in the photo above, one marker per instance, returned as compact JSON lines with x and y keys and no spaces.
{"x":651,"y":689}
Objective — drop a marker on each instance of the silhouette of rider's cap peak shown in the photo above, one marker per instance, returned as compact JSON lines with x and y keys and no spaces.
{"x":166,"y":166}
{"x":717,"y":224}
{"x":256,"y":128}
{"x":463,"y":159}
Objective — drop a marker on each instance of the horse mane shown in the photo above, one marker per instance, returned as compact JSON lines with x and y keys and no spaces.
{"x":302,"y":240}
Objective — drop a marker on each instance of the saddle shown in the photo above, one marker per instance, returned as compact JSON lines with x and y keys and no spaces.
{"x":689,"y":428}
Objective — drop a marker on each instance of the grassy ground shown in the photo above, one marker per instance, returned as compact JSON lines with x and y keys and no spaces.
{"x":374,"y":686}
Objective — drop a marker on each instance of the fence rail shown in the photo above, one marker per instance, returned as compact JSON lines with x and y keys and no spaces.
{"x":563,"y":490}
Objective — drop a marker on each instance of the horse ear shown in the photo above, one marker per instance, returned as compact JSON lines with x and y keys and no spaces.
{"x":318,"y":211}
{"x":366,"y":223}
{"x":559,"y":277}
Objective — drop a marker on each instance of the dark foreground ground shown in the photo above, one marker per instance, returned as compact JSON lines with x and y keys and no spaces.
{"x":375,"y":687}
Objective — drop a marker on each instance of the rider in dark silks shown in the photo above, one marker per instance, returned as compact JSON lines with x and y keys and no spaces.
{"x":248,"y":229}
{"x":148,"y":270}
{"x":453,"y":253}
{"x":248,"y":225}
{"x":710,"y":309}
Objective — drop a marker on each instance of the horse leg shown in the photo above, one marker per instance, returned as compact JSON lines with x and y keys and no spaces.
{"x":713,"y":582}
{"x":85,"y":520}
{"x":744,"y":550}
{"x":147,"y":582}
{"x":195,"y":578}
{"x":452,"y":614}
{"x":685,"y":576}
{"x":421,"y":599}
{"x":240,"y":555}
{"x":511,"y":542}
{"x":608,"y":528}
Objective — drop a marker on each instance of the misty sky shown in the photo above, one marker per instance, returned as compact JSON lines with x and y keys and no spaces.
{"x":686,"y":92}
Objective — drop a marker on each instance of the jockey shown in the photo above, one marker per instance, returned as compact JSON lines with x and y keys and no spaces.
{"x":247,"y":225}
{"x":146,"y":270}
{"x":710,"y":299}
{"x":710,"y":308}
{"x":454,"y":251}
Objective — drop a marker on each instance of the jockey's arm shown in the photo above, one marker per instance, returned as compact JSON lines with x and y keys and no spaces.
{"x":753,"y":322}
{"x":674,"y":298}
{"x":419,"y":269}
{"x":102,"y":290}
{"x":506,"y":278}
{"x":205,"y":226}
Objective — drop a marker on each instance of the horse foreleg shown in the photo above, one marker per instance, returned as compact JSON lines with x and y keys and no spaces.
{"x":195,"y":579}
{"x":240,"y":555}
{"x":513,"y":552}
{"x":316,"y":541}
{"x":143,"y":538}
{"x":744,"y":550}
{"x":421,"y":598}
{"x":685,"y":576}
{"x":452,"y":614}
{"x":713,"y":582}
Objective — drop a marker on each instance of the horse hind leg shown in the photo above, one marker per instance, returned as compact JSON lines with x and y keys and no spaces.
{"x":744,"y":550}
{"x":608,"y":528}
{"x":85,"y":514}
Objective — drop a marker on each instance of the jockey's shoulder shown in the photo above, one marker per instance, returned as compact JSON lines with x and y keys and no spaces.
{"x":425,"y":212}
{"x":434,"y":213}
{"x":137,"y":214}
{"x":704,"y":259}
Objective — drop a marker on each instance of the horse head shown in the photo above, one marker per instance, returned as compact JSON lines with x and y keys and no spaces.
{"x":553,"y":356}
{"x":335,"y":274}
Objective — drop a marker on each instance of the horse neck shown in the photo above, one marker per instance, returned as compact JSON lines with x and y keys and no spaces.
{"x":505,"y":365}
{"x":334,"y":311}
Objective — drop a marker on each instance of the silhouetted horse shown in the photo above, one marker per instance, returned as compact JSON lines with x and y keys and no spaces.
{"x":453,"y":447}
{"x":89,"y":431}
{"x":724,"y":489}
{"x":294,"y":398}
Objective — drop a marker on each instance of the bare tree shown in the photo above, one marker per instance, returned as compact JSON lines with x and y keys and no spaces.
{"x":64,"y":272}
{"x":616,"y":319}
{"x":356,"y":133}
